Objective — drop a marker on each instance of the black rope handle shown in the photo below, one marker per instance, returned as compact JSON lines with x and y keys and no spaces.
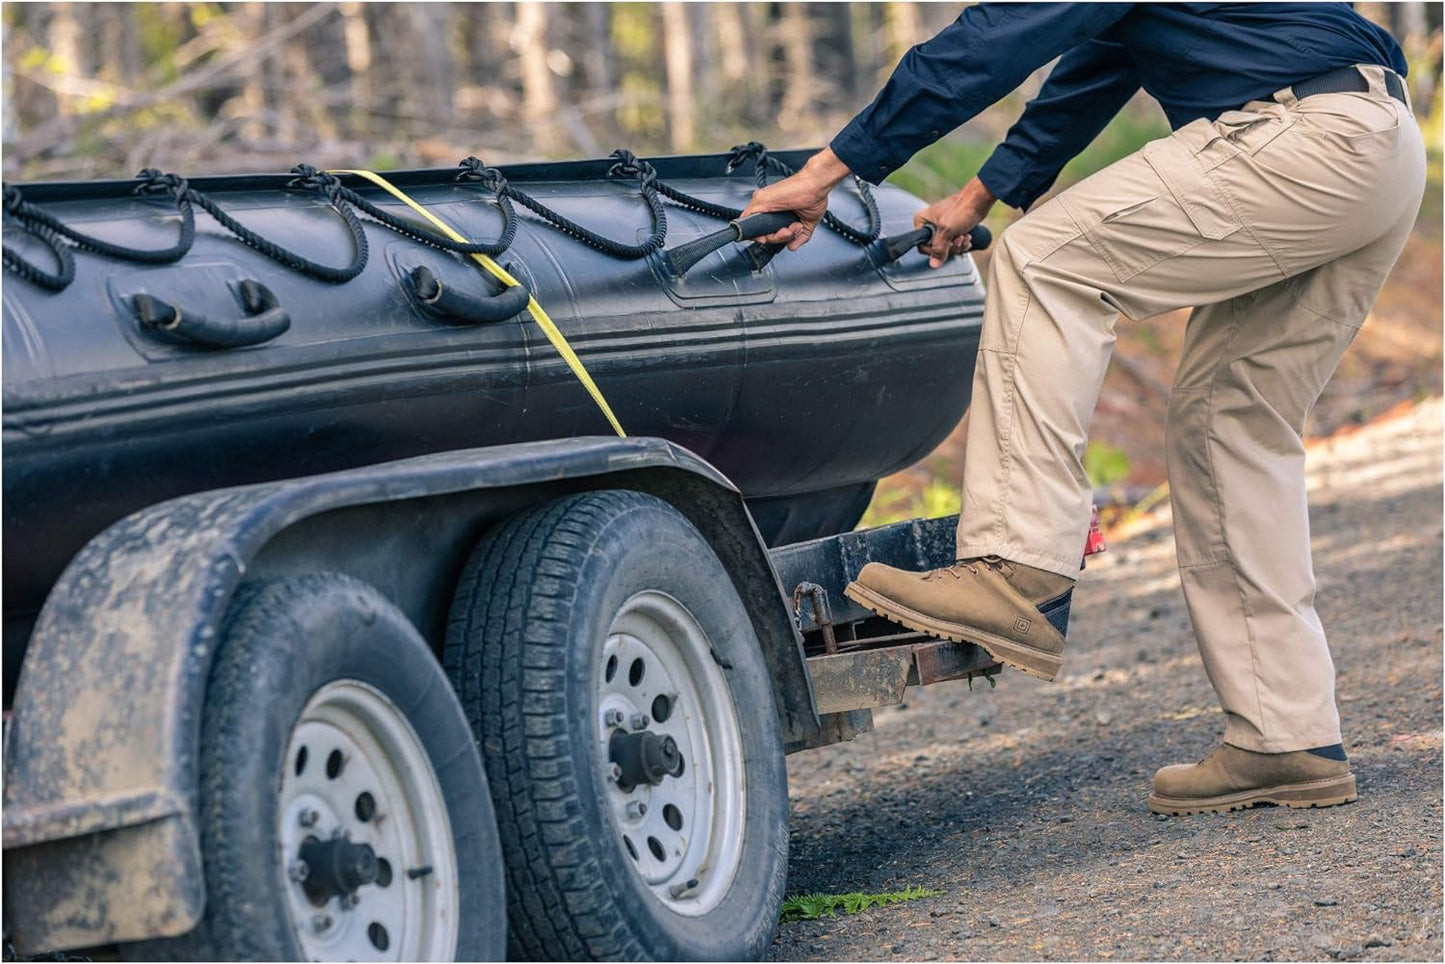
{"x":765,"y":162}
{"x":155,"y":182}
{"x":65,"y":261}
{"x":415,"y":231}
{"x":625,"y":164}
{"x":329,"y":187}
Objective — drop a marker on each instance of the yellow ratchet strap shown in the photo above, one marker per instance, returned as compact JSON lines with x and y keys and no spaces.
{"x":553,"y":333}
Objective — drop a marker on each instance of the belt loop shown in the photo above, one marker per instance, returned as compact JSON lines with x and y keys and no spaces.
{"x":1285,"y":96}
{"x":1375,"y":76}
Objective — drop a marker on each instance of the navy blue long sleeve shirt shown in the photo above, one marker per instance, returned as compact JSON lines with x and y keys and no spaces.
{"x":1196,"y":59}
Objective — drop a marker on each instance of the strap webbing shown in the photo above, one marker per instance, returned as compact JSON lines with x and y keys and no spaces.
{"x":549,"y":328}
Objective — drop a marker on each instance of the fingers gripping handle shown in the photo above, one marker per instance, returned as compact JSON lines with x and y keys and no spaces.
{"x":895,"y":246}
{"x":683,"y":257}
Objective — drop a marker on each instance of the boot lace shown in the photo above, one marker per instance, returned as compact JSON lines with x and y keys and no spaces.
{"x":972,"y":565}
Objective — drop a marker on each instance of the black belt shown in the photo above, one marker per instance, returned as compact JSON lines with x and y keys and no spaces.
{"x":1347,"y":80}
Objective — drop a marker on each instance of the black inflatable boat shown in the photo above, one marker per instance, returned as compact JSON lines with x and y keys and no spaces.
{"x":133,"y":374}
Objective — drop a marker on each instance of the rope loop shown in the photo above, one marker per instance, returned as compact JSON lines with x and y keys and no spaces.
{"x":154,"y":181}
{"x":742,"y":153}
{"x":628,"y":164}
{"x":473,"y":169}
{"x":323,"y":182}
{"x":14,"y":202}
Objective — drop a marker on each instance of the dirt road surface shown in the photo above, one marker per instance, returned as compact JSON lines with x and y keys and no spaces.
{"x":1025,"y":804}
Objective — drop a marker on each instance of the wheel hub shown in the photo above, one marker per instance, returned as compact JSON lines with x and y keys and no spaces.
{"x":644,"y":758}
{"x":336,"y":868}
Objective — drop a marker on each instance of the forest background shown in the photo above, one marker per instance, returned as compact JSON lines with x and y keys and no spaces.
{"x":105,"y":89}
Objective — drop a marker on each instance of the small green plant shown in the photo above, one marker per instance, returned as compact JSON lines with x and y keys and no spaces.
{"x":814,"y":906}
{"x":1105,"y":465}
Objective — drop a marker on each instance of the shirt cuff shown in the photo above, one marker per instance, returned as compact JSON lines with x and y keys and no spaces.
{"x":863,"y":154}
{"x":1006,"y":177}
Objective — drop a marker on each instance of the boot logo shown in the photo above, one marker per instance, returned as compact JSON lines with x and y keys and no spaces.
{"x":1021,"y":626}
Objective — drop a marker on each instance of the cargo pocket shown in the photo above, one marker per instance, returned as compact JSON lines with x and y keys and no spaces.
{"x":1201,"y":200}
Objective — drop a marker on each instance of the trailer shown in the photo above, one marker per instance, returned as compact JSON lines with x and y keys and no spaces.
{"x":337,"y":625}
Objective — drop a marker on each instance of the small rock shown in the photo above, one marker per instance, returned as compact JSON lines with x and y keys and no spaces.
{"x":1066,"y":820}
{"x":991,"y":921}
{"x":1104,"y":717}
{"x":939,"y":912}
{"x":1276,"y":885}
{"x":1161,"y":817}
{"x":1326,"y":902}
{"x":1378,"y":941}
{"x":896,"y":948}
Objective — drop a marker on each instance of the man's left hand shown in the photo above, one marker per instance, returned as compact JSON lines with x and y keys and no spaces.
{"x":952,"y":219}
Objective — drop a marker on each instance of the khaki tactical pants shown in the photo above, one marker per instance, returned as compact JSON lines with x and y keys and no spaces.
{"x":1279,"y":222}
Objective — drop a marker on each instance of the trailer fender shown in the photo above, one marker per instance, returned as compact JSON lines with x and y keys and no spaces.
{"x":100,"y":792}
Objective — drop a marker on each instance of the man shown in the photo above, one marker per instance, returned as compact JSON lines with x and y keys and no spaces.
{"x":1276,"y":209}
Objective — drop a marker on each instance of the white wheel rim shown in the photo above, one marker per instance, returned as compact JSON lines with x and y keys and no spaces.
{"x":356,"y":770}
{"x":683,"y":836}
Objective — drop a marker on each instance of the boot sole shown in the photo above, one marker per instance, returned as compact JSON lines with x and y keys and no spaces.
{"x":1037,"y":663}
{"x":1315,"y":793}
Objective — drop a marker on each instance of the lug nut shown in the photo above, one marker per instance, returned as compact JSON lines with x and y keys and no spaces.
{"x":614,"y":772}
{"x":677,"y":890}
{"x":308,"y":817}
{"x":612,"y":717}
{"x":298,"y":871}
{"x":640,"y":721}
{"x":636,"y":809}
{"x":319,"y":922}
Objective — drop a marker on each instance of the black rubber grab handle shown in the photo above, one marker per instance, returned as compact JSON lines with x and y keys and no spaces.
{"x":681,"y":258}
{"x":460,"y":308}
{"x":891,"y":248}
{"x":759,"y":253}
{"x":264,"y":320}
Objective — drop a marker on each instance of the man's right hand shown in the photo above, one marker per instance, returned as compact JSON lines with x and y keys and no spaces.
{"x":804,"y":193}
{"x":952,"y":219}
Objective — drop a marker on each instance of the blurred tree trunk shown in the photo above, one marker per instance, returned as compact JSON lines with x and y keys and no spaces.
{"x":600,"y":65}
{"x":64,"y":50}
{"x":743,"y":97}
{"x":356,"y":36}
{"x":796,"y":33}
{"x":677,"y":49}
{"x":903,"y":32}
{"x":539,"y":99}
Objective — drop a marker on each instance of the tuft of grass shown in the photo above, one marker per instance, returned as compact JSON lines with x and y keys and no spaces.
{"x":814,"y":906}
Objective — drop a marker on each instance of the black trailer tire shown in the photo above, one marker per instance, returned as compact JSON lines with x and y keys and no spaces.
{"x":537,"y":611}
{"x":315,"y":687}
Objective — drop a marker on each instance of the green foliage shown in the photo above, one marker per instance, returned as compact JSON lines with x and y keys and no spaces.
{"x":943,"y":167}
{"x":941,"y":496}
{"x":1130,"y":130}
{"x":814,"y":906}
{"x":1104,"y":464}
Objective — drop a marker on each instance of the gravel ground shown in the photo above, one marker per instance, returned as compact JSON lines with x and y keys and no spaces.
{"x":1026,"y":804}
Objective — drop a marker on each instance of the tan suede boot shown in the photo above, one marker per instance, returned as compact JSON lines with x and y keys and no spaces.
{"x":1231,"y":778}
{"x":1018,"y":613}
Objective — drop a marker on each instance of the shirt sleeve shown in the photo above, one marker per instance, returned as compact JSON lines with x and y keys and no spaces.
{"x":1087,"y":88}
{"x":972,"y":63}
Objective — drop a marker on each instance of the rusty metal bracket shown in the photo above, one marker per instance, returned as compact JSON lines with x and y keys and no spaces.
{"x":869,"y":678}
{"x":814,"y":598}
